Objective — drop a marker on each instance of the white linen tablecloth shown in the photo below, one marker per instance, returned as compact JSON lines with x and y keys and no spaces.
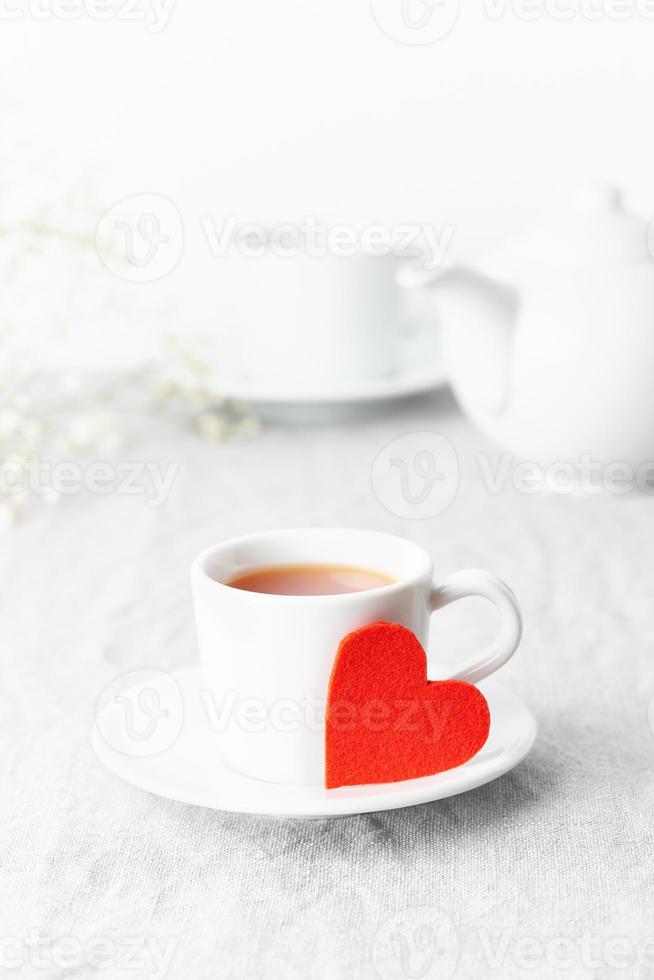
{"x":547,"y":872}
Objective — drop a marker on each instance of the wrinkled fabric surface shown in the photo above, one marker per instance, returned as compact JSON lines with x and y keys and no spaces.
{"x":547,"y":872}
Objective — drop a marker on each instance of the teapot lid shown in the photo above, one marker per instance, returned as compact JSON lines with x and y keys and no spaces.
{"x":595,"y":231}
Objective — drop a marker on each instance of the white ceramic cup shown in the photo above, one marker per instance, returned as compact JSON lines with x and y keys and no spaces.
{"x":267,"y":659}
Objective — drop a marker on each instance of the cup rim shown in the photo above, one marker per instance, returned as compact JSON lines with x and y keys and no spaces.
{"x":424,"y":566}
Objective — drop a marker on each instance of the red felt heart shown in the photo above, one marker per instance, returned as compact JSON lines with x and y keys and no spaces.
{"x":386,"y":722}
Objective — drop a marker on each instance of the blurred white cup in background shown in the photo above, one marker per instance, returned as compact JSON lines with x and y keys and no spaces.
{"x":308,"y":320}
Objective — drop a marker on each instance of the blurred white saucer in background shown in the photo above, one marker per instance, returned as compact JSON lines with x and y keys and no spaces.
{"x":419,"y":370}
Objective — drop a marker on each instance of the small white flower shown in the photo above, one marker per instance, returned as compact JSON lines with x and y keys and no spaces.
{"x":85,"y":430}
{"x":17,"y":501}
{"x":81,"y":431}
{"x":50,"y":497}
{"x":31,"y":431}
{"x":13,"y":468}
{"x":70,"y":384}
{"x":212,"y":426}
{"x":7,"y":517}
{"x":250,"y":425}
{"x":21,"y":403}
{"x":61,"y":446}
{"x":165,"y":388}
{"x":9,"y":423}
{"x":110,"y":443}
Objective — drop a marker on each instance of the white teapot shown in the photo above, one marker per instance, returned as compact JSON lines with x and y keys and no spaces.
{"x":550,"y":341}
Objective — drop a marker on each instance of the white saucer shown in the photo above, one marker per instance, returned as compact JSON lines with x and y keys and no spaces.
{"x":191,"y":771}
{"x":420,"y":369}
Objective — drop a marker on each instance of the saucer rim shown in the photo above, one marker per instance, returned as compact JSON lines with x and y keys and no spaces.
{"x":367,"y":390}
{"x":404,"y":381}
{"x":344,"y":801}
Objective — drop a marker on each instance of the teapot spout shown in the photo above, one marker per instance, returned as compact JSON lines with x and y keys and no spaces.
{"x":477,"y":317}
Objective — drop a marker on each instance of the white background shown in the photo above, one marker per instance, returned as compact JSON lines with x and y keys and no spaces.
{"x":275,"y":110}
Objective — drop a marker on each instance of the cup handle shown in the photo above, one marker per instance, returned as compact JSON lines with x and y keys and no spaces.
{"x":475,"y":582}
